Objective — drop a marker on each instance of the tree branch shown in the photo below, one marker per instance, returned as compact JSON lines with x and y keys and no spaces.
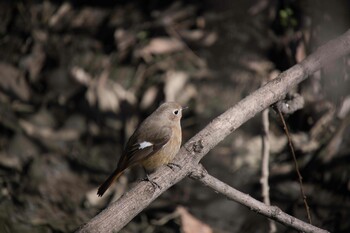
{"x":119,"y":213}
{"x":264,"y":180}
{"x":272,"y":212}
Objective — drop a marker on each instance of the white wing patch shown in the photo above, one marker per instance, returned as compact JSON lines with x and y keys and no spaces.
{"x":144,"y":144}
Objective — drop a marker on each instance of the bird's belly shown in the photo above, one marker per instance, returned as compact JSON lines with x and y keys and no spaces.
{"x":164,"y":156}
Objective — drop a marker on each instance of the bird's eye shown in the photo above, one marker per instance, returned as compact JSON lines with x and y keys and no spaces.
{"x":176,"y":112}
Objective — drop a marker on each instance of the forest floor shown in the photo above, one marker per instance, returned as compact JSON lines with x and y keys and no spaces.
{"x":77,"y":78}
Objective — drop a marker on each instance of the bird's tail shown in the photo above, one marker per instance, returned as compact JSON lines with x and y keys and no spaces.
{"x":102,"y":189}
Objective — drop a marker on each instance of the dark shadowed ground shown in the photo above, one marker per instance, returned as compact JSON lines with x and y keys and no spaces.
{"x":77,"y":77}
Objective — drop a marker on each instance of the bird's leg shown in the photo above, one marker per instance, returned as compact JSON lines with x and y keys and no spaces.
{"x":148,"y":178}
{"x":155,"y":185}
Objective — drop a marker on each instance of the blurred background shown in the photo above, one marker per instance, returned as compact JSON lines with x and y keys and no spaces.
{"x":76,"y":78}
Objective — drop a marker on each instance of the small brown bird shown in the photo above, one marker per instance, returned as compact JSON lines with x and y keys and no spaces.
{"x":153,"y":144}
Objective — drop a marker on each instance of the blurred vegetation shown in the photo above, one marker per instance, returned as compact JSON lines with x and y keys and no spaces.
{"x":77,"y":77}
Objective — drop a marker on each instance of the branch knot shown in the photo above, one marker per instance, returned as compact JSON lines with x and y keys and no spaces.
{"x":198,"y":172}
{"x":198,"y":146}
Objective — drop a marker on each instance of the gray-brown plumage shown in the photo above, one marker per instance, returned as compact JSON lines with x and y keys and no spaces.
{"x":154,"y":143}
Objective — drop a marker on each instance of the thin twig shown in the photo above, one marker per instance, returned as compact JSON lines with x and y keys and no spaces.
{"x":272,"y":212}
{"x":264,"y":180}
{"x":296,"y":165}
{"x":172,"y":32}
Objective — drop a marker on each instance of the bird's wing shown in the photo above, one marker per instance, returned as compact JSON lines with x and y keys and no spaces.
{"x":141,"y":145}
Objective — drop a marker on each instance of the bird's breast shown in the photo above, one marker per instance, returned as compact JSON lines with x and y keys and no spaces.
{"x":166,"y":154}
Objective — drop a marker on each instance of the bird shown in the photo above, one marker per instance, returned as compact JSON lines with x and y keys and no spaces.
{"x":154,"y":143}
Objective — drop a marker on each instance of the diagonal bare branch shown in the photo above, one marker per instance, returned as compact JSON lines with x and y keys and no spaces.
{"x":272,"y":212}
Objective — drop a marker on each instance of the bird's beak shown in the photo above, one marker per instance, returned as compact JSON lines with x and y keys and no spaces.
{"x":183,"y":108}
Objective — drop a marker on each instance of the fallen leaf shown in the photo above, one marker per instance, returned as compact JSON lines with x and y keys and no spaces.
{"x":192,"y":35}
{"x":149,"y":97}
{"x":13,"y":83}
{"x":158,"y":46}
{"x":301,"y":52}
{"x":61,"y":17}
{"x":190,"y":224}
{"x":9,"y":161}
{"x":199,"y":36}
{"x":210,"y":39}
{"x":124,"y":41}
{"x":344,"y":108}
{"x":81,"y":76}
{"x":34,"y":62}
{"x":174,"y":84}
{"x":48,"y":133}
{"x":89,"y":18}
{"x":105,"y":93}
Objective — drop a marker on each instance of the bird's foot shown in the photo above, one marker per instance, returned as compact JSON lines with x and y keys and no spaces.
{"x":154,"y":184}
{"x":173,"y":165}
